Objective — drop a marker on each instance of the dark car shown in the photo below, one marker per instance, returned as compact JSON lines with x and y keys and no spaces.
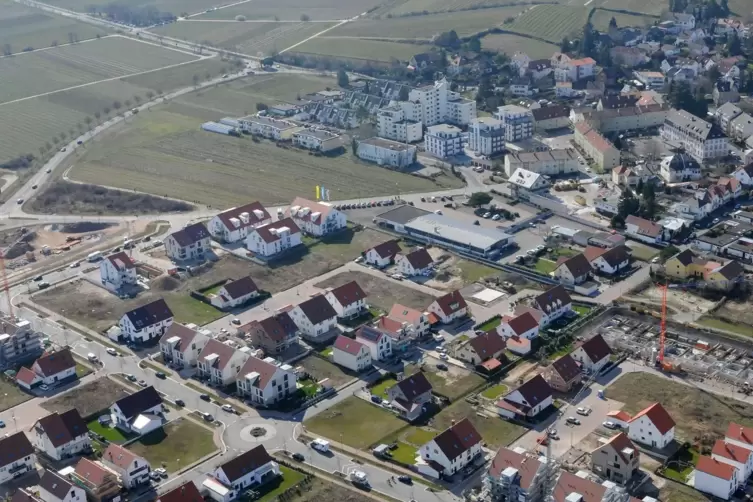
{"x":161,"y":375}
{"x":376,"y":399}
{"x":205,"y":397}
{"x":208,"y":417}
{"x":180,"y":402}
{"x":298,"y":457}
{"x":79,"y":142}
{"x":38,"y":278}
{"x":442,"y":367}
{"x":405,"y":479}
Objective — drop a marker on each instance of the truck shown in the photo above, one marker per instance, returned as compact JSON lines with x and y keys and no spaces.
{"x":359,"y":478}
{"x":320,"y":445}
{"x":95,"y":256}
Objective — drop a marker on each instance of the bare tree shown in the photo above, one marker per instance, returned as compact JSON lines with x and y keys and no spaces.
{"x":7,"y":50}
{"x":149,"y":95}
{"x":63,"y":135}
{"x":137,"y":99}
{"x":195,"y":79}
{"x":48,"y":146}
{"x":89,"y":121}
{"x":97,"y":115}
{"x":117,"y":105}
{"x":106,"y":110}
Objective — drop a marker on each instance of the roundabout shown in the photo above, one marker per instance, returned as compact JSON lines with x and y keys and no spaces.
{"x":257,"y":433}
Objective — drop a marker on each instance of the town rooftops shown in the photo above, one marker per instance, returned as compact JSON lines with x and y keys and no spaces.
{"x":658,"y":416}
{"x":55,"y":362}
{"x":223,"y":352}
{"x":698,"y":127}
{"x":321,"y":134}
{"x":620,"y":100}
{"x":522,"y":323}
{"x":264,"y":371}
{"x":547,"y":156}
{"x":317,"y":309}
{"x":620,"y":415}
{"x":245,"y":463}
{"x":119,"y":456}
{"x":149,"y":314}
{"x":241,"y":287}
{"x":582,"y":62}
{"x":621,"y":442}
{"x":386,"y":143}
{"x":740,"y":433}
{"x":616,"y":255}
{"x":685,"y":257}
{"x":569,"y":484}
{"x":596,"y":348}
{"x":731,"y":451}
{"x":551,"y":112}
{"x":443,"y":129}
{"x":730,"y":270}
{"x":244,"y":216}
{"x":487,"y":344}
{"x":369,"y":334}
{"x":414,"y":385}
{"x":349,"y":293}
{"x":348,"y":345}
{"x":552,"y":299}
{"x":535,"y":390}
{"x":91,"y":473}
{"x":184,"y":335}
{"x":451,"y":302}
{"x":527,"y":466}
{"x":265,"y":121}
{"x":578,"y":265}
{"x":121,"y":261}
{"x":419,"y":258}
{"x":566,"y":367}
{"x":63,"y":428}
{"x":402,"y":314}
{"x":271,"y":231}
{"x":715,"y":468}
{"x":593,"y":137}
{"x":190,"y":234}
{"x":458,"y":439}
{"x":23,"y":496}
{"x":55,"y":484}
{"x":187,"y":492}
{"x":387,"y":249}
{"x":14,"y":447}
{"x":645,"y":227}
{"x":308,"y":210}
{"x":138,"y":402}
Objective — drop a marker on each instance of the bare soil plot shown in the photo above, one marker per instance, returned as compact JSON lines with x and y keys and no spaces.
{"x":321,"y":490}
{"x":11,"y":395}
{"x":382,"y":293}
{"x":509,"y":44}
{"x":494,"y":431}
{"x":453,"y":383}
{"x":695,"y":411}
{"x":88,"y":399}
{"x":320,"y":369}
{"x":359,"y":48}
{"x":681,"y":301}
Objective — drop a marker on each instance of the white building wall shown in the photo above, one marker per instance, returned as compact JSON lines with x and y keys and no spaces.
{"x":645,"y":432}
{"x":357,"y":363}
{"x":718,"y":487}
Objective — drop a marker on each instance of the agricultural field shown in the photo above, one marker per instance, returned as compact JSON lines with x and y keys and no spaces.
{"x":601,"y":18}
{"x":425,"y":27}
{"x":257,"y":39}
{"x":286,"y":10}
{"x":176,"y":7}
{"x":23,"y":27}
{"x":509,"y":44}
{"x":550,"y":22}
{"x":401,"y":8}
{"x":358,"y":48}
{"x":643,"y":6}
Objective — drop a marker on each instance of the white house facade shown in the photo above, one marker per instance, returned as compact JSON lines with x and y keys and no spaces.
{"x":351,"y":354}
{"x":117,"y":270}
{"x":233,"y":224}
{"x":146,"y":322}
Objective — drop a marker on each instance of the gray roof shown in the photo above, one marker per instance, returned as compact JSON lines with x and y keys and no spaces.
{"x":730,"y":110}
{"x":700,"y":128}
{"x":317,"y":133}
{"x":443,"y":128}
{"x":386,"y":143}
{"x":402,"y":214}
{"x":458,"y":231}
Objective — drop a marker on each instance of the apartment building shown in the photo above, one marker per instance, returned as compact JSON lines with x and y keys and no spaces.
{"x":597,"y":147}
{"x":265,"y":382}
{"x":443,"y":140}
{"x":386,"y":152}
{"x":189,"y":243}
{"x":275,"y":129}
{"x":437,"y":104}
{"x":567,"y":69}
{"x":182,"y":345}
{"x":651,"y":79}
{"x":132,"y":469}
{"x":19,"y":343}
{"x":274,"y":335}
{"x":316,"y":218}
{"x":117,"y":270}
{"x":701,"y":139}
{"x":233,"y":225}
{"x":679,"y":167}
{"x":486,"y":136}
{"x":220,"y":363}
{"x":318,"y":140}
{"x":515,"y":475}
{"x":547,"y":118}
{"x":550,"y":162}
{"x":62,"y":435}
{"x":146,"y":322}
{"x":741,"y":127}
{"x":272,"y":239}
{"x":516,"y":121}
{"x":725,"y":114}
{"x":629,"y":118}
{"x":393,"y":123}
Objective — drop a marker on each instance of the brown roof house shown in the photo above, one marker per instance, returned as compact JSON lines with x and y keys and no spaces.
{"x":449,"y":307}
{"x":188,"y":243}
{"x":187,"y":492}
{"x":54,"y":487}
{"x":98,"y":482}
{"x":61,"y":436}
{"x":16,"y":457}
{"x":616,"y":459}
{"x":182,"y":345}
{"x":644,"y":230}
{"x":410,"y":395}
{"x":573,"y":270}
{"x":451,"y":451}
{"x":563,"y":374}
{"x":234,"y":294}
{"x":417,"y":262}
{"x":233,"y":224}
{"x":482,"y":348}
{"x":132,"y":469}
{"x":220,"y":363}
{"x":274,"y":335}
{"x":516,"y":475}
{"x":348,"y":300}
{"x":248,"y":470}
{"x":51,"y":369}
{"x":314,"y":317}
{"x":526,"y":401}
{"x":382,"y":255}
{"x":351,"y":354}
{"x":553,"y":303}
{"x":264,"y":383}
{"x":139,"y":413}
{"x":592,"y":354}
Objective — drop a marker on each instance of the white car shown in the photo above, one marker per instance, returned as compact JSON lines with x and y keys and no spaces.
{"x":112,"y":352}
{"x":397,"y":277}
{"x":583,"y":411}
{"x":91,"y":356}
{"x":444,"y":357}
{"x":228,"y":408}
{"x":573,"y":421}
{"x":609,"y":425}
{"x":161,"y":472}
{"x":496,"y":217}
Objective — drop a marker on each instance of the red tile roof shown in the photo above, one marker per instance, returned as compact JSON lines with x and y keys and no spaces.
{"x":526,"y":466}
{"x":620,"y":415}
{"x":349,"y":293}
{"x":91,"y":473}
{"x":645,"y":227}
{"x":389,"y":326}
{"x":348,"y":345}
{"x":314,"y":207}
{"x":405,"y":314}
{"x":731,"y":451}
{"x":568,"y":484}
{"x":187,"y":492}
{"x":715,"y":468}
{"x":451,"y":302}
{"x":740,"y":433}
{"x":265,"y":370}
{"x":256,"y":214}
{"x":25,"y":375}
{"x":488,"y":344}
{"x":458,"y":439}
{"x":121,"y":261}
{"x":185,"y":334}
{"x":658,"y":416}
{"x":620,"y":442}
{"x":225,"y":353}
{"x":522,"y":323}
{"x":118,"y":456}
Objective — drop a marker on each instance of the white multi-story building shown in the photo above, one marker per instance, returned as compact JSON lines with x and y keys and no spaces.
{"x":132,"y":469}
{"x":444,"y":141}
{"x":316,"y":218}
{"x":128,"y":413}
{"x":567,"y":69}
{"x":273,"y":238}
{"x":319,"y":140}
{"x":220,"y":363}
{"x":441,"y":105}
{"x":393,"y":123}
{"x":550,"y":162}
{"x":486,"y":136}
{"x":146,"y":322}
{"x":351,"y":354}
{"x":268,"y":127}
{"x":314,"y":317}
{"x":252,"y":468}
{"x":597,"y":147}
{"x":699,"y":138}
{"x":19,"y":343}
{"x":348,"y":300}
{"x":452,"y":450}
{"x":233,"y":225}
{"x":651,"y":79}
{"x":715,"y":477}
{"x":652,"y":426}
{"x":55,"y":488}
{"x":378,"y":343}
{"x":182,"y":345}
{"x":415,"y":320}
{"x":265,"y":382}
{"x":592,"y":354}
{"x":188,"y":243}
{"x":679,"y":167}
{"x":515,"y":475}
{"x":61,"y":436}
{"x":117,"y":270}
{"x":735,"y":455}
{"x":386,"y":152}
{"x":517,"y":122}
{"x":449,"y":307}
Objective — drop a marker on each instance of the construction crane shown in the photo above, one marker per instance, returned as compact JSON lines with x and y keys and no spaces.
{"x":5,"y":281}
{"x":661,"y":363}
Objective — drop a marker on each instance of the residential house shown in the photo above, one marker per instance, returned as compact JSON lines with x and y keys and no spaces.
{"x":117,"y":270}
{"x":701,"y":139}
{"x":683,"y":20}
{"x":563,"y":374}
{"x":715,"y":477}
{"x":443,"y":140}
{"x":100,"y":484}
{"x":133,"y":469}
{"x":724,"y":277}
{"x":652,"y":427}
{"x":426,"y":60}
{"x":486,"y":136}
{"x":651,"y":79}
{"x":182,"y":345}
{"x":548,"y":118}
{"x":521,"y":86}
{"x":275,"y":334}
{"x":453,"y":449}
{"x":417,"y":262}
{"x":616,"y":459}
{"x":378,"y":343}
{"x":592,"y":354}
{"x":386,"y":152}
{"x":725,"y":91}
{"x":400,"y":333}
{"x":527,"y":401}
{"x":741,"y":127}
{"x":519,"y":345}
{"x":573,"y":270}
{"x":61,"y":436}
{"x":272,"y":239}
{"x":220,"y":363}
{"x":567,"y":69}
{"x":739,"y":457}
{"x":597,"y":147}
{"x":625,"y":176}
{"x":187,"y":492}
{"x":450,"y":307}
{"x":382,"y":255}
{"x":679,"y":167}
{"x":549,"y":162}
{"x":348,"y":300}
{"x":553,"y":303}
{"x":56,"y":488}
{"x":351,"y":354}
{"x":268,"y":127}
{"x":727,"y":26}
{"x":524,"y":325}
{"x":515,"y":475}
{"x":189,"y":243}
{"x":725,"y":114}
{"x":17,"y":455}
{"x":608,"y":261}
{"x":739,"y":435}
{"x":318,"y":140}
{"x":55,"y":367}
{"x":234,"y":294}
{"x":233,"y":224}
{"x":129,"y":412}
{"x":314,"y":317}
{"x":417,"y":321}
{"x":147,"y":322}
{"x":527,"y":181}
{"x":316,"y":218}
{"x":579,"y":488}
{"x":394,"y":123}
{"x":644,"y":230}
{"x":482,"y":348}
{"x":265,"y":383}
{"x":410,"y":395}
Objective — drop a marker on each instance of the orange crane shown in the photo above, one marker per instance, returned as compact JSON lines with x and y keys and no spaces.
{"x":660,"y":362}
{"x":5,"y":282}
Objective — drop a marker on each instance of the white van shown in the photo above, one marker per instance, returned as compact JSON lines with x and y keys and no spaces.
{"x":320,"y":445}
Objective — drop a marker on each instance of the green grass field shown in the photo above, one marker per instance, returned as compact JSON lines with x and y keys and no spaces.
{"x":551,"y":22}
{"x":22,"y":27}
{"x":510,"y":44}
{"x":495,"y":431}
{"x":714,"y":323}
{"x":110,"y":433}
{"x":381,"y":388}
{"x":601,"y":18}
{"x":357,"y":48}
{"x":249,"y":38}
{"x":287,"y":10}
{"x":273,"y":489}
{"x":545,"y":266}
{"x":494,"y":391}
{"x":176,"y":445}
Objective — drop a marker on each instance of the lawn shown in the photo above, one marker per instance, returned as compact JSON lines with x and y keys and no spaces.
{"x":419,"y":437}
{"x":490,"y":324}
{"x":308,"y":387}
{"x":112,"y":434}
{"x":695,"y":411}
{"x":494,"y":431}
{"x":581,"y":309}
{"x":509,"y":43}
{"x":358,"y":48}
{"x":473,"y":272}
{"x":551,"y":22}
{"x":545,"y":266}
{"x":714,"y":323}
{"x":405,"y":453}
{"x":176,"y":445}
{"x":381,"y":292}
{"x":641,"y":252}
{"x":82,"y":371}
{"x":326,"y":352}
{"x":453,"y":384}
{"x":355,"y":423}
{"x":273,"y":489}
{"x":680,"y":473}
{"x":320,"y":369}
{"x":381,"y":388}
{"x":11,"y":395}
{"x":494,"y":391}
{"x":188,"y":309}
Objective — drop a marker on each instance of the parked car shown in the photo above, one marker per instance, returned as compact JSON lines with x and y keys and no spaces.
{"x":142,"y":383}
{"x":298,"y":457}
{"x":228,"y":408}
{"x":476,"y":222}
{"x":180,"y":402}
{"x":609,"y":425}
{"x":112,"y":351}
{"x":154,"y":476}
{"x":161,"y":472}
{"x":583,"y":411}
{"x":161,"y":375}
{"x":487,"y":215}
{"x":442,"y":367}
{"x":573,"y":421}
{"x":38,"y":278}
{"x":208,"y":417}
{"x":376,"y":399}
{"x":2,"y":424}
{"x":405,"y":479}
{"x":205,"y":397}
{"x":91,"y":356}
{"x":130,"y":377}
{"x":44,"y":387}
